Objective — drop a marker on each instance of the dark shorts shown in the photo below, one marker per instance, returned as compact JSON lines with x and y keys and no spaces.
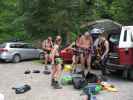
{"x":86,"y":51}
{"x":78,"y":51}
{"x":47,"y":51}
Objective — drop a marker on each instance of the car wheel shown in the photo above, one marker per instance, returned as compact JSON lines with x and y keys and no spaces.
{"x":130,"y":74}
{"x":16,"y":58}
{"x":41,"y":56}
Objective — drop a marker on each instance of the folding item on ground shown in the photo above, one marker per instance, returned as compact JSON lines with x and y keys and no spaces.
{"x":21,"y":88}
{"x":27,"y":72}
{"x":47,"y":72}
{"x":36,"y":71}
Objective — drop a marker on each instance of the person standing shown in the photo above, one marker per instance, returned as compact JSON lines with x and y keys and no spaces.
{"x":85,"y":44}
{"x":56,"y":63}
{"x":102,"y":47}
{"x":47,"y":46}
{"x":76,"y":52}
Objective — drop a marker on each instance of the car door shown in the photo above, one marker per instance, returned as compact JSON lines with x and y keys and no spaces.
{"x":126,"y":45}
{"x":32,"y":51}
{"x":18,"y":48}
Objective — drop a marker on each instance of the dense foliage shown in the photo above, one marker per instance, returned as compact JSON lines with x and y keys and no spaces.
{"x":35,"y":19}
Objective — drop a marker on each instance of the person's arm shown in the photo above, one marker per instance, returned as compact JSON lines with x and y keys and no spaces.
{"x":47,"y":47}
{"x":91,"y":40}
{"x":53,"y":53}
{"x":70,"y":46}
{"x":106,"y":49}
{"x":52,"y":44}
{"x":96,"y":43}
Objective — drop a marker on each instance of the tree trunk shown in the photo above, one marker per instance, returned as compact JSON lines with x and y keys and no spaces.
{"x":68,"y":37}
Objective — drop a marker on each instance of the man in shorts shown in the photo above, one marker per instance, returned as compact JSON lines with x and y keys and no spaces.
{"x":86,"y":44}
{"x":47,"y":46}
{"x":56,"y":63}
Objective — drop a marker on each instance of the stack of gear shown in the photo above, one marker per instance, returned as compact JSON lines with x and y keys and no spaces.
{"x":92,"y":90}
{"x":68,"y":68}
{"x":66,"y":79}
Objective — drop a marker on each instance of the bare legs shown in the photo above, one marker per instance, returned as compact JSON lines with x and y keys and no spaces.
{"x":56,"y":73}
{"x":75,"y":60}
{"x":87,"y":59}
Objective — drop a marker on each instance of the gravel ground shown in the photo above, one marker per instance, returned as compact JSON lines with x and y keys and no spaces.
{"x":12,"y":74}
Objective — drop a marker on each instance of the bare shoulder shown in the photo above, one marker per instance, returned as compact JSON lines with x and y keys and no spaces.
{"x":106,"y":42}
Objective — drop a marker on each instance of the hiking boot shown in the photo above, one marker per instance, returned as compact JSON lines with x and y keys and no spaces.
{"x":46,"y":67}
{"x":57,"y":86}
{"x":83,"y":74}
{"x":53,"y":82}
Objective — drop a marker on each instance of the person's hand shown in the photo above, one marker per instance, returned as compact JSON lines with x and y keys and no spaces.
{"x":102,"y":57}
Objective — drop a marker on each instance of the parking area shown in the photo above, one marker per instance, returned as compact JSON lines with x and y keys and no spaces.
{"x":13,"y":74}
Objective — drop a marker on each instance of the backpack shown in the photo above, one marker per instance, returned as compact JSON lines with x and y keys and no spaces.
{"x":79,"y":82}
{"x":93,"y":78}
{"x":92,"y":89}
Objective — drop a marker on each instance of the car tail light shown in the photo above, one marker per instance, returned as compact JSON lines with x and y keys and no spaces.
{"x":3,"y":50}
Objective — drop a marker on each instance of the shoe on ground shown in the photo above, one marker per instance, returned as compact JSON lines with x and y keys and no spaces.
{"x":57,"y":86}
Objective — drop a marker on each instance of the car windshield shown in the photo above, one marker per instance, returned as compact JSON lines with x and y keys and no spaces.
{"x":114,"y":38}
{"x":2,"y":45}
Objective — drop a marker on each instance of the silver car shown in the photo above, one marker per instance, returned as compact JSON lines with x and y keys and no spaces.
{"x":17,"y":51}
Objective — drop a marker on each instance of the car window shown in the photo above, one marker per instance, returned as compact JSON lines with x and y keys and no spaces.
{"x":132,"y":36}
{"x":125,"y":36}
{"x":114,"y":38}
{"x":16,"y":46}
{"x":2,"y":45}
{"x":28,"y":46}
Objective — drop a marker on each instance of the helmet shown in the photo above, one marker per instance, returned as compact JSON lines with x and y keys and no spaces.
{"x":96,"y":31}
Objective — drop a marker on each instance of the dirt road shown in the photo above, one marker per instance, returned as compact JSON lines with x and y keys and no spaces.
{"x":12,"y":74}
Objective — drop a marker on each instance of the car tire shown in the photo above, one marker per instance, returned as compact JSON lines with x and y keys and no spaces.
{"x":16,"y":58}
{"x":41,"y":56}
{"x":130,"y":74}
